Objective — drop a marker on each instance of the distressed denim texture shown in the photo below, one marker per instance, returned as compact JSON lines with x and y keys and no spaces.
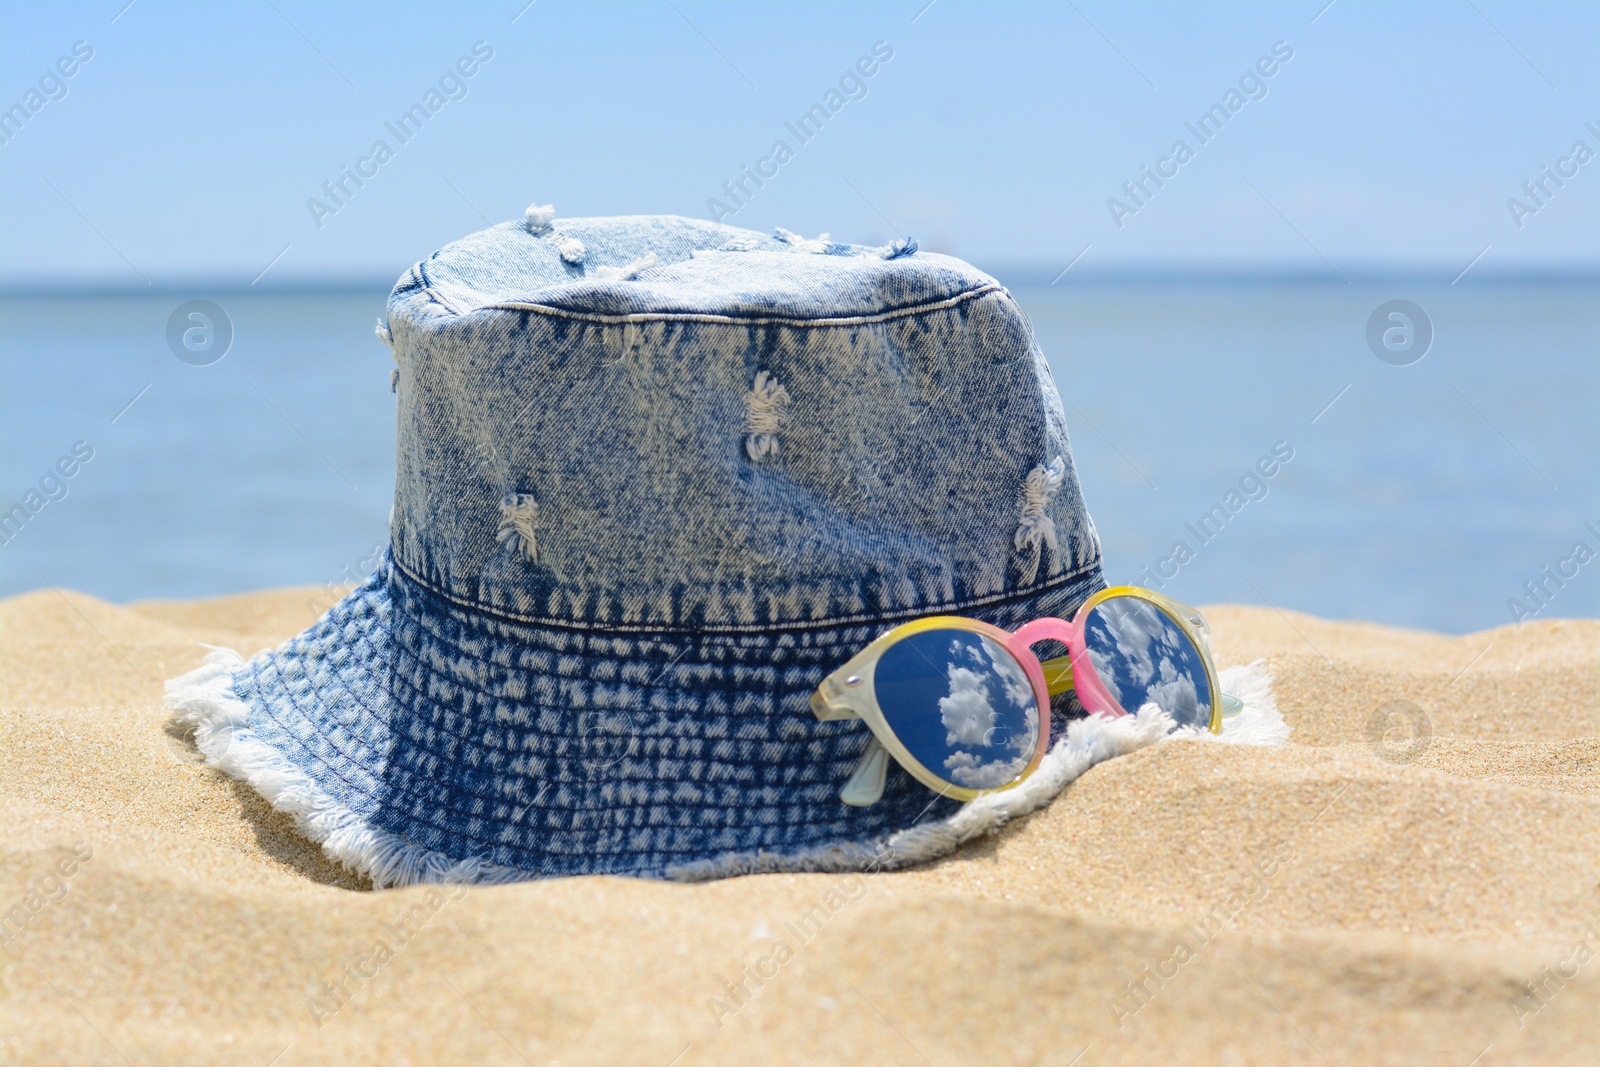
{"x":638,"y":518}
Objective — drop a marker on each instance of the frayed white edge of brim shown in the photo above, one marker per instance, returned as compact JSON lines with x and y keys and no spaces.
{"x":1258,"y":722}
{"x":204,"y":701}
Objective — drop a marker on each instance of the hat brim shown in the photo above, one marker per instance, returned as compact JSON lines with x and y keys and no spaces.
{"x":418,"y":740}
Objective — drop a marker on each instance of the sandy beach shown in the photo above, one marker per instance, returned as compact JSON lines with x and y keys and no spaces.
{"x":1349,"y":898}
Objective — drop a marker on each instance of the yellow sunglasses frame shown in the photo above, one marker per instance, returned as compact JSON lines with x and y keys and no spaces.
{"x":849,"y":692}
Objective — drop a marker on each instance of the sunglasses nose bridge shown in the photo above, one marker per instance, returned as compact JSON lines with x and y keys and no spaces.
{"x":1045,"y":629}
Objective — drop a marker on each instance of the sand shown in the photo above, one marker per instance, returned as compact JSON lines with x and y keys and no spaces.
{"x":1341,"y":900}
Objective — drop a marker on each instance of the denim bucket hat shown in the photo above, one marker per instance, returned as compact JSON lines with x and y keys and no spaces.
{"x":656,"y":478}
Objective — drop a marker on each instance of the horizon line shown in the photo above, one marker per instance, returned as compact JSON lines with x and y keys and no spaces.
{"x":1015,"y":272}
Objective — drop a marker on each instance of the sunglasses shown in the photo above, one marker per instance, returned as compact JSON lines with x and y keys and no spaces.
{"x":964,"y":706}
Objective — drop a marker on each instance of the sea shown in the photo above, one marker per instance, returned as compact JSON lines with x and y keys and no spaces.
{"x":1439,"y":470}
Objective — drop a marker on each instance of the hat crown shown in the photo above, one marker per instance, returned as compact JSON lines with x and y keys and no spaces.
{"x":662,"y":422}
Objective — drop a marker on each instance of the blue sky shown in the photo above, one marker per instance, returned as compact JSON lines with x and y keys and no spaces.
{"x":189,"y":145}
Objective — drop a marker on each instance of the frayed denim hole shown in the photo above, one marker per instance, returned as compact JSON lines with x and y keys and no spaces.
{"x":764,"y":416}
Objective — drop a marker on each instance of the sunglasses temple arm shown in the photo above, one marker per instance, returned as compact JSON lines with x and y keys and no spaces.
{"x":829,"y":712}
{"x":1057,"y":674}
{"x":1058,"y":679}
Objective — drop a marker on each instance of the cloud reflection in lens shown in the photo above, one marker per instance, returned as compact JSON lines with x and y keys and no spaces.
{"x":961,"y":704}
{"x":1143,"y":657}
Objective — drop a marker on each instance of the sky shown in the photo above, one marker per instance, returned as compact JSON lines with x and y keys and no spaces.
{"x":194,"y":140}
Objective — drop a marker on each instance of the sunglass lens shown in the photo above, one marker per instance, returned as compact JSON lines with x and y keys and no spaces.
{"x":1143,"y":656}
{"x":961,"y":704}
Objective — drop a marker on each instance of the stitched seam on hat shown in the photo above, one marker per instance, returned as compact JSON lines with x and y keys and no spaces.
{"x":740,"y":320}
{"x":699,"y":631}
{"x":1066,"y":578}
{"x":284,"y":683}
{"x":643,"y":687}
{"x":849,"y":634}
{"x":841,"y":764}
{"x":858,"y":635}
{"x":267,"y":709}
{"x":452,"y":828}
{"x":436,"y":295}
{"x":452,"y":641}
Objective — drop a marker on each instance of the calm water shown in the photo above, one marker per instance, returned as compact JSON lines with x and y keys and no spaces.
{"x":1426,"y":495}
